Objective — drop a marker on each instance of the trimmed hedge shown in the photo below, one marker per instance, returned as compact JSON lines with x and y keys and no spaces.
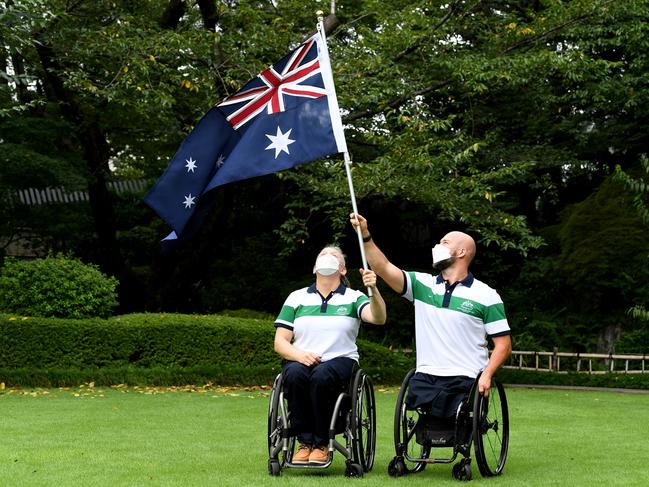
{"x":609,"y":379}
{"x":178,"y":349}
{"x":157,"y":349}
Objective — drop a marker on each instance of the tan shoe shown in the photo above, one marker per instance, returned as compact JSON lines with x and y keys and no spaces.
{"x":302,"y":454}
{"x":320,"y":455}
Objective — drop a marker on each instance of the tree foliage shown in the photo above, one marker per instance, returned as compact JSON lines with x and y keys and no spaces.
{"x":492,"y":117}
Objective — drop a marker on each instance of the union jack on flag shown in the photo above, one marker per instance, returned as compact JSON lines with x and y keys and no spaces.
{"x":298,"y":74}
{"x":286,"y":116}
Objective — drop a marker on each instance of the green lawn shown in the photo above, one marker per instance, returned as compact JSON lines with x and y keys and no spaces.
{"x":209,"y":436}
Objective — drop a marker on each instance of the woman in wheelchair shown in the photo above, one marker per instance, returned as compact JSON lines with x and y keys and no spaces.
{"x":316,"y":334}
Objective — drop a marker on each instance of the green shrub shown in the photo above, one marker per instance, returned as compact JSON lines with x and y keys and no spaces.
{"x":156,"y":349}
{"x":246,"y":313}
{"x":56,"y":286}
{"x":636,"y":341}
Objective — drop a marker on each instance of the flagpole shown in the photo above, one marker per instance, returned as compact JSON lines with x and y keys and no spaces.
{"x":348,"y":163}
{"x":359,"y":232}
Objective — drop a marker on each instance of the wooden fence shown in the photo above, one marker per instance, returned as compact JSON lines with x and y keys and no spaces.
{"x":588,"y":363}
{"x":33,"y":196}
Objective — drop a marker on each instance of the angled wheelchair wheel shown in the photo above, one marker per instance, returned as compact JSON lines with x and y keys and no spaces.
{"x":491,"y":430}
{"x":405,"y":422}
{"x":277,"y":424}
{"x":363,"y":422}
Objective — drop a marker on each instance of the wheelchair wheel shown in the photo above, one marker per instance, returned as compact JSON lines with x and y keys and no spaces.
{"x":363,"y":420}
{"x":404,"y":431}
{"x":277,"y":457}
{"x":462,"y":470}
{"x":491,"y":430}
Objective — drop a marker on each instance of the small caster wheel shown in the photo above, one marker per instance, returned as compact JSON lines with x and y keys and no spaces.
{"x":273,"y":468}
{"x":396,"y":467}
{"x":462,"y":470}
{"x":353,"y":470}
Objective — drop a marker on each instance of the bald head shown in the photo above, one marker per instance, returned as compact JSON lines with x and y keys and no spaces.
{"x":461,"y":244}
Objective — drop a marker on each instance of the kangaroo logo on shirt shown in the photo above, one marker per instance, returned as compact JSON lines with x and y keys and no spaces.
{"x":467,"y":307}
{"x":342,"y":310}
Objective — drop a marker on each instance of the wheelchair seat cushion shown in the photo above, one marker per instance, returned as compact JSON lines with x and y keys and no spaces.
{"x":438,"y":396}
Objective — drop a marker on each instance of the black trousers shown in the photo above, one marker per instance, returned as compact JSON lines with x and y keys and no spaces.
{"x":437,"y":395}
{"x":311,"y":393}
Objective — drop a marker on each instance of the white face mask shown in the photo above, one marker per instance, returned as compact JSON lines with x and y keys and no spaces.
{"x":440,"y":253}
{"x":327,"y":265}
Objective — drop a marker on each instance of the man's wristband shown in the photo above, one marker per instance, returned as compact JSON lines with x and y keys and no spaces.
{"x":367,"y":239}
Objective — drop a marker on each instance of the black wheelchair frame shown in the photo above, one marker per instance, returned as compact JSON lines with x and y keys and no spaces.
{"x":354,"y":416}
{"x":481,"y":420}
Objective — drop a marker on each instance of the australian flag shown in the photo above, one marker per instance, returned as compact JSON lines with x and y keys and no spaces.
{"x":286,"y":116}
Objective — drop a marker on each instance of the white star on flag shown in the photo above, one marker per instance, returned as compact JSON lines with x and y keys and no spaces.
{"x":280,"y":142}
{"x":191,"y":164}
{"x":189,"y":201}
{"x":220,"y":161}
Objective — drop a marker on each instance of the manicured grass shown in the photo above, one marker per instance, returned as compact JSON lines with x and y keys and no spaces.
{"x":210,"y":436}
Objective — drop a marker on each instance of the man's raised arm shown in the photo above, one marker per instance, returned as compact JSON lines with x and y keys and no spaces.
{"x":386,"y":270}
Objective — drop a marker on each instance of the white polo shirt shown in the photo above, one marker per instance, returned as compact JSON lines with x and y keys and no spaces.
{"x":327,"y":325}
{"x":452,"y":323}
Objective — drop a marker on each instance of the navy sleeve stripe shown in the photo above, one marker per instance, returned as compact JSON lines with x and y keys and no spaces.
{"x":283,"y":325}
{"x":362,"y":307}
{"x":501,"y":334}
{"x":405,"y":283}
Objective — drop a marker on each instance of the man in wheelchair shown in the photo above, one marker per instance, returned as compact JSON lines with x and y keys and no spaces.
{"x":316,"y":334}
{"x":454,"y":315}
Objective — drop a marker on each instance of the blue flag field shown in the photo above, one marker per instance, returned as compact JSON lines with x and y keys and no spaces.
{"x":285,"y":116}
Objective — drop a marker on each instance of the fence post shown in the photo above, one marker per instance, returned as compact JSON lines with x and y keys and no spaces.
{"x":578,"y":362}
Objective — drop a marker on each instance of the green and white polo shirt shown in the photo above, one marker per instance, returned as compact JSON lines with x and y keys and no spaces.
{"x":452,"y":323}
{"x":328,"y":325}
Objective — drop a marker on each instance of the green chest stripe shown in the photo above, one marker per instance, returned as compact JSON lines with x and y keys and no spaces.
{"x":332,"y":310}
{"x":467,"y":307}
{"x":462,"y":305}
{"x":487,"y":314}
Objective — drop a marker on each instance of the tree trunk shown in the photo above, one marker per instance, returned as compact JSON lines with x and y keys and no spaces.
{"x":209,"y":14}
{"x":3,"y":66}
{"x":19,"y":72}
{"x":607,"y":338}
{"x":96,"y":153}
{"x":172,"y":14}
